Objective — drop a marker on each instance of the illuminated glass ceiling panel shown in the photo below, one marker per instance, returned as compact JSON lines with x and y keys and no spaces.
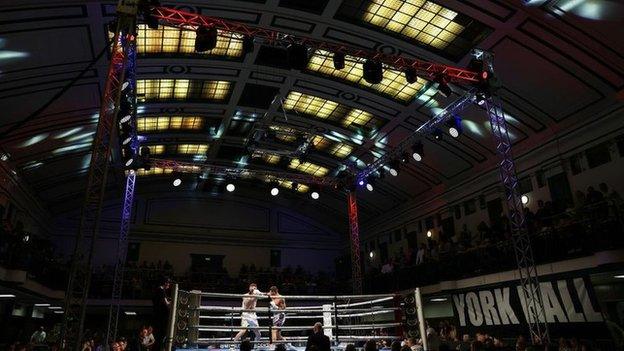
{"x":157,"y":124}
{"x":182,"y":89}
{"x":184,"y":149}
{"x":425,"y":21}
{"x":392,"y":85}
{"x":171,"y":40}
{"x":329,"y":110}
{"x":308,"y":167}
{"x":340,"y":150}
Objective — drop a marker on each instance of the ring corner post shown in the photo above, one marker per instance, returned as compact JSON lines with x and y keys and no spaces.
{"x":172,"y":319}
{"x":421,"y":318}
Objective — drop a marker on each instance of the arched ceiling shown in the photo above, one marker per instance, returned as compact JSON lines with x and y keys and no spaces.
{"x":561,"y":63}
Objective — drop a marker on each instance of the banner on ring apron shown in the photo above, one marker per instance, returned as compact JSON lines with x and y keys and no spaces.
{"x":570,"y":308}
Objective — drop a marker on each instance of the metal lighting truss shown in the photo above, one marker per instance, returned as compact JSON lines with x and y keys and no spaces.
{"x":486,"y":97}
{"x":354,"y":235}
{"x":186,"y":167}
{"x":80,"y":269}
{"x":422,"y":68}
{"x":122,"y":243}
{"x":529,"y":278}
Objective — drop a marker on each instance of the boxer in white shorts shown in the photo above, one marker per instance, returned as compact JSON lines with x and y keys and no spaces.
{"x":249,"y":319}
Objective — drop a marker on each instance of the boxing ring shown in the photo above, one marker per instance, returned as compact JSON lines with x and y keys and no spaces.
{"x":203,"y":320}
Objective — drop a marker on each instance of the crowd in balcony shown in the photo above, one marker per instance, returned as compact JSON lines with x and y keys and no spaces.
{"x":558,"y":231}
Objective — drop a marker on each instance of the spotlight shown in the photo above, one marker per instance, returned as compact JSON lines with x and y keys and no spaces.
{"x":370,"y":183}
{"x":274,"y":191}
{"x":371,"y":254}
{"x":297,"y":56}
{"x":361,"y":182}
{"x":417,"y":151}
{"x":126,"y":134}
{"x":230,"y":187}
{"x":410,"y":75}
{"x":443,"y":87}
{"x":437,"y":134}
{"x":429,"y":233}
{"x":394,"y":168}
{"x":339,"y":60}
{"x":372,"y":71}
{"x":177,"y":182}
{"x":125,"y":119}
{"x":454,"y":126}
{"x":314,"y":195}
{"x":480,"y":98}
{"x":524,"y":199}
{"x":206,"y":39}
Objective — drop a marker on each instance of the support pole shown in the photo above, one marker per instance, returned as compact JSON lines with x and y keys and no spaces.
{"x":421,"y":318}
{"x":354,"y":232}
{"x":79,"y":277}
{"x":122,"y":251}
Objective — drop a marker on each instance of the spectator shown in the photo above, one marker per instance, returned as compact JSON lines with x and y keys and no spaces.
{"x":38,"y":337}
{"x":464,"y":345}
{"x":433,"y":340}
{"x":413,"y":345}
{"x":420,"y":255}
{"x":318,"y":340}
{"x":395,"y":346}
{"x":370,"y":345}
{"x":465,"y":236}
{"x":594,"y":196}
{"x":161,"y":305}
{"x":147,"y":338}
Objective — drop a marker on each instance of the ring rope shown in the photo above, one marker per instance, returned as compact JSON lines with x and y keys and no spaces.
{"x":289,"y":309}
{"x":208,"y":341}
{"x":305,"y":327}
{"x":293,"y":297}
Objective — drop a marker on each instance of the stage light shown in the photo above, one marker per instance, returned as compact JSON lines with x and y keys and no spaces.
{"x":230,"y":187}
{"x":7,"y":296}
{"x":339,"y":60}
{"x":314,"y":195}
{"x":410,"y":75}
{"x":524,"y":199}
{"x":429,"y":234}
{"x":418,"y":151}
{"x":297,"y":56}
{"x":274,"y":191}
{"x":437,"y":134}
{"x":361,"y":182}
{"x":370,"y":180}
{"x":394,"y":168}
{"x":443,"y":87}
{"x":371,"y":254}
{"x":369,"y":187}
{"x":480,"y":98}
{"x":125,"y":119}
{"x":177,"y":182}
{"x":372,"y":71}
{"x":206,"y":39}
{"x":621,"y":276}
{"x":454,"y":126}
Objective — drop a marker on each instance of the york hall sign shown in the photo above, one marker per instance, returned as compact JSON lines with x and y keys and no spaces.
{"x":567,"y":303}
